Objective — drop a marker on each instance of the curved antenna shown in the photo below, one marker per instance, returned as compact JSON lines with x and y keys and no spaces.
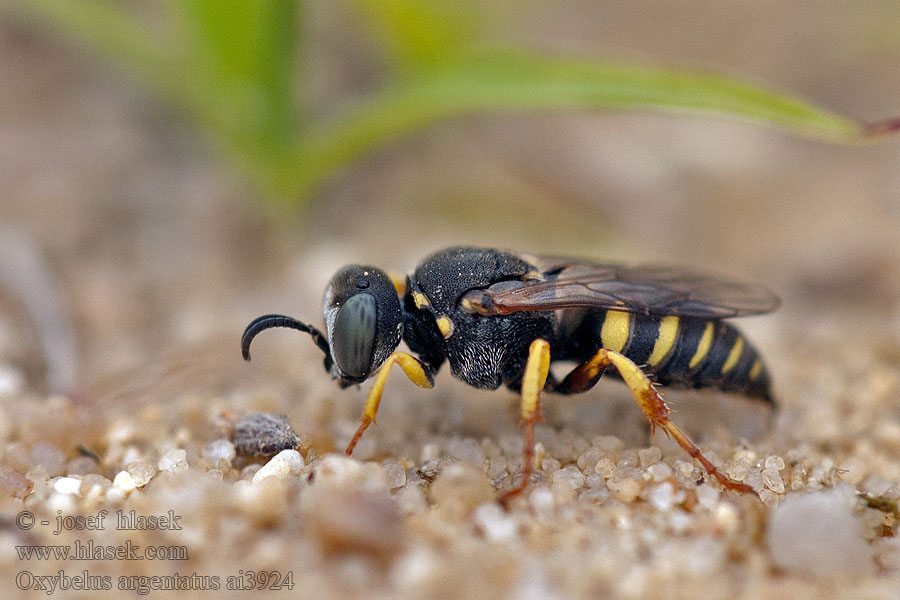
{"x":269,"y":321}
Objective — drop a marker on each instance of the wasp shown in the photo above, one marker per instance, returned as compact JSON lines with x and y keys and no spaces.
{"x":500,"y":318}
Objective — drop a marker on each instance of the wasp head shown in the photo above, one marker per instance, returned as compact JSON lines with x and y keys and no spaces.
{"x":363,"y":320}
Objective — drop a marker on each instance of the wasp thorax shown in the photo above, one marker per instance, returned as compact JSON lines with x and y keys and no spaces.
{"x":363,"y":320}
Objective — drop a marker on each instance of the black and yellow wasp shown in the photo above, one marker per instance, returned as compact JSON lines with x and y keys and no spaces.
{"x":501,"y":318}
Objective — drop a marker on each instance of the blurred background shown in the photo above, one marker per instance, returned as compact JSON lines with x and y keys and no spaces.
{"x":167,"y":172}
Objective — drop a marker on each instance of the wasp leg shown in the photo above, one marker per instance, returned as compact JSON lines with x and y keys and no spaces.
{"x":417,"y":372}
{"x":533,"y":380}
{"x":583,"y":377}
{"x":651,"y":402}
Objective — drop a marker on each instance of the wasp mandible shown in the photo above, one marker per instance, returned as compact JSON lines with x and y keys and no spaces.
{"x":500,"y":318}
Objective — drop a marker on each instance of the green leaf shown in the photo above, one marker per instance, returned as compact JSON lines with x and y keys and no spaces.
{"x":515,"y":81}
{"x":241,"y":57}
{"x":231,"y":65}
{"x":420,"y":34}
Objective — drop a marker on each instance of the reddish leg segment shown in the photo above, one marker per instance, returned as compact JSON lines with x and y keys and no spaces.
{"x":417,"y":372}
{"x":650,"y":401}
{"x":533,"y":379}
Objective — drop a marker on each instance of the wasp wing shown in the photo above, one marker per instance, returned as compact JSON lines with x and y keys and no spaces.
{"x":649,"y":290}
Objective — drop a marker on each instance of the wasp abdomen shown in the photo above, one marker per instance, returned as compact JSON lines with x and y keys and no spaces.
{"x":684,"y":351}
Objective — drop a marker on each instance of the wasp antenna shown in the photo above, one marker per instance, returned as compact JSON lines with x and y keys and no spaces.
{"x":269,"y":321}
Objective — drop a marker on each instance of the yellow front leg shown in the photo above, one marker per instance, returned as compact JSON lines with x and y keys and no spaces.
{"x":415,"y":370}
{"x":533,"y":380}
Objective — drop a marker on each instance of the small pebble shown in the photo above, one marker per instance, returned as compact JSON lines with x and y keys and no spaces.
{"x":416,"y":568}
{"x":217,"y":450}
{"x":395,"y":473}
{"x":174,"y":461}
{"x":341,"y":471}
{"x":594,"y":495}
{"x":738,"y":469}
{"x":754,"y":479}
{"x":771,"y":479}
{"x":141,"y":473}
{"x":770,"y":498}
{"x":16,"y":457}
{"x":649,"y":456}
{"x":263,"y":434}
{"x":467,"y":450}
{"x":286,"y":462}
{"x":707,"y":496}
{"x":775,"y":463}
{"x":461,"y":485}
{"x":493,"y":521}
{"x":563,"y":494}
{"x":52,"y":458}
{"x":67,"y":485}
{"x":497,"y":466}
{"x":680,"y":521}
{"x":659,"y":471}
{"x":662,"y":496}
{"x":12,"y":381}
{"x":569,"y":476}
{"x":887,"y":553}
{"x":130,"y":455}
{"x":411,"y":499}
{"x":550,"y":465}
{"x":609,"y":443}
{"x":40,"y":480}
{"x":249,"y":471}
{"x":727,"y":517}
{"x":605,"y":467}
{"x":124,"y":482}
{"x":876,"y":486}
{"x":542,"y":501}
{"x":588,"y":459}
{"x":430,"y":451}
{"x":357,"y":522}
{"x":61,"y":503}
{"x":819,"y":533}
{"x":595,"y":480}
{"x":626,"y":490}
{"x":14,"y":483}
{"x":120,"y":431}
{"x":684,"y":470}
{"x":628,"y":458}
{"x":259,"y":504}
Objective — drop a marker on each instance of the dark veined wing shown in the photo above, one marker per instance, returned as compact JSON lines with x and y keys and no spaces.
{"x":649,"y":290}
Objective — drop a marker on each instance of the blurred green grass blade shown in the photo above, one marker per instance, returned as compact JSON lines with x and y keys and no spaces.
{"x":243,"y":56}
{"x":518,"y":81}
{"x":420,"y":34}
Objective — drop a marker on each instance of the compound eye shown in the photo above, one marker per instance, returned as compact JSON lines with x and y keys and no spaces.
{"x":353,"y":338}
